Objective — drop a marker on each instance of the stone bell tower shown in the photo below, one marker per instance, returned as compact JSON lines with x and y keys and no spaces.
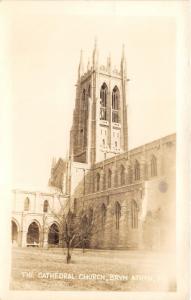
{"x":99,"y":129}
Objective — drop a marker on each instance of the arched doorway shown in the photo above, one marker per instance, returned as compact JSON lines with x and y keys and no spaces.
{"x":53,"y":234}
{"x":14,"y":233}
{"x":33,"y":234}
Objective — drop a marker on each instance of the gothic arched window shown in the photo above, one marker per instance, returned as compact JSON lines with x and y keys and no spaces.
{"x":26,"y":204}
{"x":153,"y":166}
{"x":122,"y":175}
{"x":90,"y":215}
{"x":115,"y":105}
{"x":109,"y":178}
{"x":104,"y":181}
{"x":84,"y":223}
{"x":103,"y":103}
{"x":134,"y":214}
{"x":84,"y":95}
{"x":137,"y":170}
{"x":117,"y":214}
{"x":146,"y":171}
{"x":75,"y":206}
{"x":103,"y":214}
{"x":89,"y":90}
{"x":45,"y":206}
{"x":98,"y":181}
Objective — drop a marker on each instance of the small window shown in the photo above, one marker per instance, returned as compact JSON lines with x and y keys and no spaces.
{"x":26,"y":204}
{"x":45,"y":206}
{"x":103,"y":142}
{"x":115,"y":144}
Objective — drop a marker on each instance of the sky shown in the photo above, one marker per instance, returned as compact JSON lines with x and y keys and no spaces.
{"x":45,"y":49}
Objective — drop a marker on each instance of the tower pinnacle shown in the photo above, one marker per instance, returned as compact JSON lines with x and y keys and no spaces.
{"x":81,"y":65}
{"x":95,"y":54}
{"x":123,"y":61}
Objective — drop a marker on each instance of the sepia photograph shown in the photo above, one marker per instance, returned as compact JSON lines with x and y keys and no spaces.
{"x":93,"y":193}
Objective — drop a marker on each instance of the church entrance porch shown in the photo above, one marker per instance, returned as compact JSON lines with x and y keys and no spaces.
{"x":14,"y":233}
{"x":33,"y":235}
{"x":53,"y":235}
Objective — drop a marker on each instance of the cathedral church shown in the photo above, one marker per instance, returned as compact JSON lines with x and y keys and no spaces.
{"x":129,"y":193}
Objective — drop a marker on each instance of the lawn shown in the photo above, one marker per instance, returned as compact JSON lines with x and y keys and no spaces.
{"x":107,"y":270}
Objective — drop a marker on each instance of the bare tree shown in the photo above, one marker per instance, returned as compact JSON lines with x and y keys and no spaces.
{"x":76,"y":229}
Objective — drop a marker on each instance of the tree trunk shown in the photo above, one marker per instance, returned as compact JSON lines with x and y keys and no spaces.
{"x":68,"y":257}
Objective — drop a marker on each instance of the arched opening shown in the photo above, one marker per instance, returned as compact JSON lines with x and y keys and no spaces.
{"x":103,"y":103}
{"x":117,"y":214}
{"x":26,"y":204}
{"x":33,"y":234}
{"x":53,"y":234}
{"x":14,"y":233}
{"x":134,"y":214}
{"x":115,"y":105}
{"x":45,"y":206}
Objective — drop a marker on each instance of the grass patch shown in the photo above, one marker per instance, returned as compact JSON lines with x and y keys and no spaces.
{"x":106,"y":270}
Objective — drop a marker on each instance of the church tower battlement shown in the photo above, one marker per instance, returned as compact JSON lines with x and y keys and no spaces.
{"x":99,"y":129}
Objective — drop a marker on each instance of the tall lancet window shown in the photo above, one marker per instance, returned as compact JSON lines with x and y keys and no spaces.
{"x":84,"y":95}
{"x":134,"y":214}
{"x":45,"y":206}
{"x":103,"y":214}
{"x":98,"y":181}
{"x":117,"y":214}
{"x":115,"y":105}
{"x":103,"y":102}
{"x":89,"y":90}
{"x":137,"y":170}
{"x":153,"y":166}
{"x":26,"y":204}
{"x":109,"y":178}
{"x":122,"y":175}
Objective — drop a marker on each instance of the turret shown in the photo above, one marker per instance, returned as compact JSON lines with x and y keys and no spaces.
{"x":95,"y":56}
{"x":81,"y":65}
{"x":109,"y":63}
{"x":123,"y":62}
